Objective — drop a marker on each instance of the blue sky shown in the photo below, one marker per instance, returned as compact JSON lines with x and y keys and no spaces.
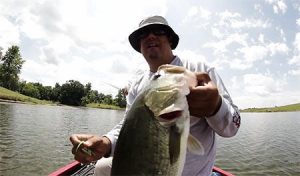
{"x":254,"y":44}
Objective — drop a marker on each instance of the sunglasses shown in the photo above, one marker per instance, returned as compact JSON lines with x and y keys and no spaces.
{"x":155,"y":31}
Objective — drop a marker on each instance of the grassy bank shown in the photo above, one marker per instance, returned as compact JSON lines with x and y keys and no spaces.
{"x":11,"y":96}
{"x":103,"y":106}
{"x":286,"y":108}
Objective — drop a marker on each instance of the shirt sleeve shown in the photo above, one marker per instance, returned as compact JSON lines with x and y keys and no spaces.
{"x":113,"y":134}
{"x":226,"y":121}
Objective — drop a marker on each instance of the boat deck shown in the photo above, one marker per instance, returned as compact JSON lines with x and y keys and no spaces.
{"x":77,"y":169}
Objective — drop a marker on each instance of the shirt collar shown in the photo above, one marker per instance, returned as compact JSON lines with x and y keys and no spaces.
{"x":173,"y":62}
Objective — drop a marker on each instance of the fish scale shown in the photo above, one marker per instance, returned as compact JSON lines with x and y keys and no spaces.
{"x":154,"y":136}
{"x":144,"y":148}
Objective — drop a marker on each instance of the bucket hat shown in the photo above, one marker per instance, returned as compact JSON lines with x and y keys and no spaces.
{"x":152,"y":21}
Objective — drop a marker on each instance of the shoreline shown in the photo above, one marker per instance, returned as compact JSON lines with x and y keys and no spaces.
{"x":6,"y":101}
{"x":13,"y":101}
{"x":243,"y":111}
{"x":256,"y":110}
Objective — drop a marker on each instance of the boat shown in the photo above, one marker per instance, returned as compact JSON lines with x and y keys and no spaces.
{"x":75,"y":168}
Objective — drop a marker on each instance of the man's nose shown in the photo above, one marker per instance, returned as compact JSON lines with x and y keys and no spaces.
{"x":150,"y":35}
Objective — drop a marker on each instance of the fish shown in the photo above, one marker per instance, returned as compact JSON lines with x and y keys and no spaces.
{"x":155,"y":135}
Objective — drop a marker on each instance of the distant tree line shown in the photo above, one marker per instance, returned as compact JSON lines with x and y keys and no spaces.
{"x":70,"y":93}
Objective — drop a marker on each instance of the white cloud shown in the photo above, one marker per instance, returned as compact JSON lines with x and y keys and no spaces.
{"x":298,"y":21}
{"x":9,"y":34}
{"x":282,"y":34}
{"x":220,"y":46}
{"x":259,"y":52}
{"x":258,"y":8}
{"x":278,"y":6}
{"x":294,"y":72}
{"x":191,"y":55}
{"x":295,"y":60}
{"x":36,"y":71}
{"x":249,"y":23}
{"x":217,"y":33}
{"x":197,"y":16}
{"x":198,"y":12}
{"x":261,"y":90}
{"x":30,"y":26}
{"x":261,"y":85}
{"x":235,"y":20}
{"x":57,"y":47}
{"x":240,"y":64}
{"x":254,"y":53}
{"x":261,"y":38}
{"x":235,"y":83}
{"x":49,"y":56}
{"x":276,"y":99}
{"x":227,"y":15}
{"x":282,"y":6}
{"x":88,"y":41}
{"x":71,"y":35}
{"x":277,"y":48}
{"x":297,"y":42}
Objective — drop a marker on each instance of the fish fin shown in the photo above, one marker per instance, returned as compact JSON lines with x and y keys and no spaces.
{"x":194,"y":146}
{"x":174,"y":144}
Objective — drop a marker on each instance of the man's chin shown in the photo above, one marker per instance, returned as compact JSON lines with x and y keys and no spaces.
{"x":154,"y":55}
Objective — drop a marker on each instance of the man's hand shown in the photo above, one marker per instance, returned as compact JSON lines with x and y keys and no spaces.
{"x":204,"y":99}
{"x":98,"y":145}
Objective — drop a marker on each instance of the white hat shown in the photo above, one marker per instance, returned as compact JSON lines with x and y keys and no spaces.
{"x":152,"y":21}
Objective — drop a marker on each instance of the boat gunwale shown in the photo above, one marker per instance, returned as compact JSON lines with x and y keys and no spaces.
{"x":75,"y":165}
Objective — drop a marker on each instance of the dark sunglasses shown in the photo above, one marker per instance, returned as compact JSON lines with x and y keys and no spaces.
{"x":155,"y":31}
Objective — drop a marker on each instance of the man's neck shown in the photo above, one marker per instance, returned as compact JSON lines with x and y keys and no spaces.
{"x":154,"y":66}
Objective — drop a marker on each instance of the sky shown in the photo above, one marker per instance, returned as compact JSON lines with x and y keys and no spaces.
{"x":253,"y":44}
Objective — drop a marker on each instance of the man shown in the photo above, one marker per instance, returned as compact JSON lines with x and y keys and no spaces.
{"x":210,"y":105}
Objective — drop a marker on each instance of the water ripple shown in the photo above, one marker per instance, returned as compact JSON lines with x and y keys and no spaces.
{"x":267,"y":144}
{"x":34,"y":140}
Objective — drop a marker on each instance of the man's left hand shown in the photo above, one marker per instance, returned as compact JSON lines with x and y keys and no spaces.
{"x":204,"y":99}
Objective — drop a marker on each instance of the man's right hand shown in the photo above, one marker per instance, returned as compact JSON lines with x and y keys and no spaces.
{"x":99,"y":146}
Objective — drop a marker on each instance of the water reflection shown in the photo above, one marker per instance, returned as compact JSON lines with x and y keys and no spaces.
{"x":266,"y":144}
{"x":34,"y":140}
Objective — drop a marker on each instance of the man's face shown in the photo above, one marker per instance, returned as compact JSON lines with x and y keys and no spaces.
{"x":154,"y":43}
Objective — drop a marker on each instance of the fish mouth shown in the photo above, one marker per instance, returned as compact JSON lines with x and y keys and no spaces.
{"x":170,"y":116}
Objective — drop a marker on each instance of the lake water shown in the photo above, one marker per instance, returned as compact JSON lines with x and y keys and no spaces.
{"x":34,"y":140}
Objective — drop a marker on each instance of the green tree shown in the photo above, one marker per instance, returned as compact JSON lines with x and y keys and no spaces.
{"x":100,"y":98}
{"x":90,"y":97}
{"x":31,"y":90}
{"x":87,"y":88}
{"x":1,"y":52}
{"x":120,"y":99}
{"x":55,"y":92}
{"x":46,"y":92}
{"x":21,"y":86}
{"x":87,"y":94}
{"x":108,"y":99}
{"x":71,"y":93}
{"x":10,"y":68}
{"x":84,"y":101}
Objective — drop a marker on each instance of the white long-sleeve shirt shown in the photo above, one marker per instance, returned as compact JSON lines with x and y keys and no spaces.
{"x":225,"y":122}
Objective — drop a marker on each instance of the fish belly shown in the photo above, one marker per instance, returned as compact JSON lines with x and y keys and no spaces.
{"x":143,"y":146}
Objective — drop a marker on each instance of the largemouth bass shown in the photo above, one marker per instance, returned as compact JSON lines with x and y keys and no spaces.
{"x":155,"y":134}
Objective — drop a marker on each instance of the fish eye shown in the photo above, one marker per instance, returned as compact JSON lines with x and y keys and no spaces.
{"x":156,"y":76}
